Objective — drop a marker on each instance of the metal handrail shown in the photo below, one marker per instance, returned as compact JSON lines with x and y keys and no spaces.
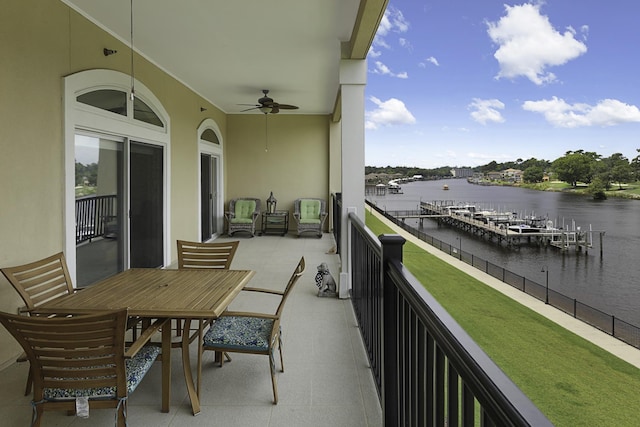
{"x":94,"y":217}
{"x":427,"y":368}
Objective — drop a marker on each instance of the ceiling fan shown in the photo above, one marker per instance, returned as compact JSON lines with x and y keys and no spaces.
{"x":267,"y":105}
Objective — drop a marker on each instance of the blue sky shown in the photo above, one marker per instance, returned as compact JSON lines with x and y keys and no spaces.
{"x":465,"y":82}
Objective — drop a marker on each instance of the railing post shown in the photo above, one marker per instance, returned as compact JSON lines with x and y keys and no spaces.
{"x":391,"y":251}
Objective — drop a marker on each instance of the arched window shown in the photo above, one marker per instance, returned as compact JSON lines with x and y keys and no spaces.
{"x":116,"y":101}
{"x":116,"y":176}
{"x":209,"y":135}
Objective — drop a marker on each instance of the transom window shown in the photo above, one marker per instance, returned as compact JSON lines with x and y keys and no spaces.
{"x":115,"y":101}
{"x":106,"y":99}
{"x":210,"y":136}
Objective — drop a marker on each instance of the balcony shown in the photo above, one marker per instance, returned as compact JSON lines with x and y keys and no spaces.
{"x":331,"y":377}
{"x":326,"y":381}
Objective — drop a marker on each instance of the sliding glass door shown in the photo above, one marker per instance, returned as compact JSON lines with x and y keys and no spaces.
{"x":119,"y":215}
{"x":146,"y":205}
{"x":99,"y":207}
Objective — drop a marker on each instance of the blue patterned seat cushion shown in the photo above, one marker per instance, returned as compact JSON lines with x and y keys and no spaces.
{"x":136,"y":368}
{"x":240,"y":333}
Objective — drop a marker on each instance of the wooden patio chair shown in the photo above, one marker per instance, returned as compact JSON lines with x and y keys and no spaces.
{"x":41,"y":281}
{"x":38,"y":282}
{"x":80,"y":361}
{"x":217,"y":255}
{"x":196,"y":255}
{"x":253,"y":333}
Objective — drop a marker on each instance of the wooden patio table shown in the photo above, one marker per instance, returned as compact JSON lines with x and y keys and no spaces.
{"x":161,"y":294}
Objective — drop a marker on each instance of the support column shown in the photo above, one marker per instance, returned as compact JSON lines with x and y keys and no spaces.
{"x":353,"y":77}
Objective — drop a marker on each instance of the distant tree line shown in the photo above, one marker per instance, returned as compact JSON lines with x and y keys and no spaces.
{"x":87,"y":174}
{"x":406,"y":171}
{"x":574,"y":167}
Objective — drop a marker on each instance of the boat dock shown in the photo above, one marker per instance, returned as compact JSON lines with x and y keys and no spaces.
{"x":503,"y":227}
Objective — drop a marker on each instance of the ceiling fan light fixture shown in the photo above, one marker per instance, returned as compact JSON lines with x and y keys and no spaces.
{"x":265,"y":109}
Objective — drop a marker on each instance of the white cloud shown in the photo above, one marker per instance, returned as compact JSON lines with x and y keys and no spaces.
{"x":449,"y":155}
{"x":399,"y":24}
{"x":608,"y":112}
{"x":405,"y":43}
{"x":431,"y":60}
{"x":373,"y":53}
{"x":388,"y":113}
{"x":488,"y":156}
{"x":381,"y":68}
{"x":486,"y":110}
{"x":392,"y":21}
{"x":528,"y":44}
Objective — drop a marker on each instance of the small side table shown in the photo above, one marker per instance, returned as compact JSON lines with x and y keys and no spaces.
{"x":276,"y":222}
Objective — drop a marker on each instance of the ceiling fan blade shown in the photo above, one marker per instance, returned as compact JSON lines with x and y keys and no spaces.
{"x":266,"y":105}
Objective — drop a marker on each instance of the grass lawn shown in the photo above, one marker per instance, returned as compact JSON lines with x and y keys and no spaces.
{"x":573,"y":382}
{"x":628,"y":191}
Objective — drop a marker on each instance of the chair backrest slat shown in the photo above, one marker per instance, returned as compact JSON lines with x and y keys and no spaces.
{"x":196,"y":255}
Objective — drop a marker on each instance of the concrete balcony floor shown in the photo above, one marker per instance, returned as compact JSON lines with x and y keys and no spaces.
{"x":327,"y":381}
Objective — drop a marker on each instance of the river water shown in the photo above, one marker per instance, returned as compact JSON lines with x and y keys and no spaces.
{"x":609,"y":282}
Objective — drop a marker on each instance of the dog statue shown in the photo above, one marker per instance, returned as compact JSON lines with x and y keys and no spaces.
{"x":325,"y":282}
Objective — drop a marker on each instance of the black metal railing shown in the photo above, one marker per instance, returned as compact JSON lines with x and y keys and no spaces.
{"x":336,"y":208}
{"x":95,"y":217}
{"x":428,"y":371}
{"x":607,"y":323}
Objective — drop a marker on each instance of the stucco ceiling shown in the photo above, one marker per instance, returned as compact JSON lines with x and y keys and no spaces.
{"x":229,"y":50}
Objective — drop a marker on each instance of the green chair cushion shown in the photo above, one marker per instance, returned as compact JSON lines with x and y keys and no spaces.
{"x":241,"y":220}
{"x":309,"y":221}
{"x":244,"y":210}
{"x":309,"y":210}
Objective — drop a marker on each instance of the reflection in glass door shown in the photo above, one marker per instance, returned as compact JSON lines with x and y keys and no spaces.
{"x":99,"y":207}
{"x":208,"y":196}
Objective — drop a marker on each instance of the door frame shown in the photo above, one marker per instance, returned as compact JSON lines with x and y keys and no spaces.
{"x":79,"y":116}
{"x":217,"y":151}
